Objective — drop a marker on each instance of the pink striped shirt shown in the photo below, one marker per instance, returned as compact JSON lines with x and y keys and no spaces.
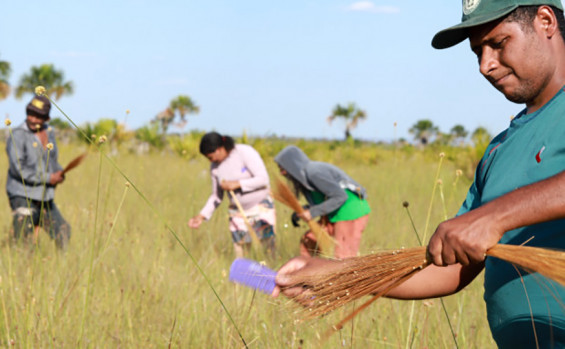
{"x":243,"y":164}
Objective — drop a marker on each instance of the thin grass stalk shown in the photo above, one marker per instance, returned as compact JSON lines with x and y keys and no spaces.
{"x":105,"y":246}
{"x":12,"y":290}
{"x":6,"y":323}
{"x":165,"y":223}
{"x":172,"y":332}
{"x":428,"y":217}
{"x":529,"y":307}
{"x":440,"y":183}
{"x":458,"y":174}
{"x":91,"y":257}
{"x":287,"y":197}
{"x":252,"y":233}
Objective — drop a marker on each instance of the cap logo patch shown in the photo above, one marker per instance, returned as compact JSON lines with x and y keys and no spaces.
{"x":38,"y":104}
{"x":469,"y":6}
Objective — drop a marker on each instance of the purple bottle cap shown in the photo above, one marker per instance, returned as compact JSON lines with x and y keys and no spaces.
{"x":252,"y":274}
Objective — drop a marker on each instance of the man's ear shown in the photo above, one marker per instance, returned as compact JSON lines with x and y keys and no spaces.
{"x":547,"y":20}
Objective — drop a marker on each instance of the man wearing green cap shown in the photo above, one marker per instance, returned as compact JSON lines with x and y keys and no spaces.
{"x":518,"y":195}
{"x":33,"y":174}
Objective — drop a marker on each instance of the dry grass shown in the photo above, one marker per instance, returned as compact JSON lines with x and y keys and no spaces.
{"x":283,"y":194}
{"x":376,"y":274}
{"x":74,"y":162}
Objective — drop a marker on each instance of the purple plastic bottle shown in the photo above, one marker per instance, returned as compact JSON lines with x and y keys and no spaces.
{"x":252,"y":274}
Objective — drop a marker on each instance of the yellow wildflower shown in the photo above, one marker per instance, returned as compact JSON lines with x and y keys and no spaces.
{"x":441,"y":155}
{"x":102,"y":139}
{"x":127,"y":111}
{"x":128,"y":184}
{"x":458,"y":173}
{"x":34,"y":144}
{"x":40,"y":90}
{"x":7,"y":122}
{"x":50,"y":146}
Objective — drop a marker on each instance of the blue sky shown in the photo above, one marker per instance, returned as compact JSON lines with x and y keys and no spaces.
{"x":262,"y":67}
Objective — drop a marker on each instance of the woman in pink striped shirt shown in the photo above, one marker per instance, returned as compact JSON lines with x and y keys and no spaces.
{"x":238,"y":169}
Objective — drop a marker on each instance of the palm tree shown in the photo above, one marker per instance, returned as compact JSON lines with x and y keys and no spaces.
{"x":5,"y":70}
{"x":45,"y":75}
{"x":164,"y":118}
{"x":350,"y":114}
{"x":423,"y":130}
{"x":183,"y":104}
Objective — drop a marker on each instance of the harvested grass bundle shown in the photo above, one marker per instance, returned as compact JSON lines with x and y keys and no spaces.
{"x":377,"y":274}
{"x":547,"y":262}
{"x":74,"y":162}
{"x":373,"y":274}
{"x":283,"y":194}
{"x":254,"y":237}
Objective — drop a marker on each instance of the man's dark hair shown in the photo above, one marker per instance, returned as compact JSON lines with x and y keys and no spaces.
{"x":213,"y":140}
{"x":524,"y":15}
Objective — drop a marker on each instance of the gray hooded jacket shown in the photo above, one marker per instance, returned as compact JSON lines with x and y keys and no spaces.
{"x":31,"y":166}
{"x":318,"y":176}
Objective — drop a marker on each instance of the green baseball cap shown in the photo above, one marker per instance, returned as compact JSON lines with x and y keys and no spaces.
{"x":477,"y":12}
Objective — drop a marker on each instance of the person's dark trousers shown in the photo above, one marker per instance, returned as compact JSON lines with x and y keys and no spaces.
{"x":28,"y":214}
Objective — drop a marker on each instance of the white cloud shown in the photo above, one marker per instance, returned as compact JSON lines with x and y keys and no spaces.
{"x":369,"y":6}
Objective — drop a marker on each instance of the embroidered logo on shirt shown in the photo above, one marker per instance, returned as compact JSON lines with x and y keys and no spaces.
{"x":538,"y":155}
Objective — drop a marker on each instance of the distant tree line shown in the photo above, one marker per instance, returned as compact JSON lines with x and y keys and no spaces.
{"x":425,"y":132}
{"x":53,"y":79}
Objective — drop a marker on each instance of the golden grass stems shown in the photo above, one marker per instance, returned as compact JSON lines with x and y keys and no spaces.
{"x":254,"y":238}
{"x":283,"y":194}
{"x":376,"y":274}
{"x":547,"y":262}
{"x":358,"y":277}
{"x":74,"y":162}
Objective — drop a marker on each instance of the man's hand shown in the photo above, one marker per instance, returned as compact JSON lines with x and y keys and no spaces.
{"x":56,"y":178}
{"x":465,"y":239}
{"x":230,"y":185}
{"x":195,"y":221}
{"x":301,"y":268}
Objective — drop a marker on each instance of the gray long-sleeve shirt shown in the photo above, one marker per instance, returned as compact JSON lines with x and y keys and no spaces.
{"x":31,"y":165}
{"x":318,"y":176}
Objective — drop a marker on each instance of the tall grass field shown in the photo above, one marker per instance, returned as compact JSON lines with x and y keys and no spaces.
{"x":135,"y":275}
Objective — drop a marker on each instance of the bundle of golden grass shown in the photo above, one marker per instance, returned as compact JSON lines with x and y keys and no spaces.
{"x":376,"y":274}
{"x":283,"y":194}
{"x":254,"y":238}
{"x":74,"y":162}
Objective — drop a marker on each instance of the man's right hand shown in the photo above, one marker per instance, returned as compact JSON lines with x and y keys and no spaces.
{"x":56,"y":178}
{"x":465,"y":238}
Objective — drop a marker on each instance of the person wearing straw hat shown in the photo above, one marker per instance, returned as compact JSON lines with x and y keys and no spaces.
{"x":332,"y":195}
{"x":518,"y":195}
{"x":33,"y":174}
{"x":239,"y":170}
